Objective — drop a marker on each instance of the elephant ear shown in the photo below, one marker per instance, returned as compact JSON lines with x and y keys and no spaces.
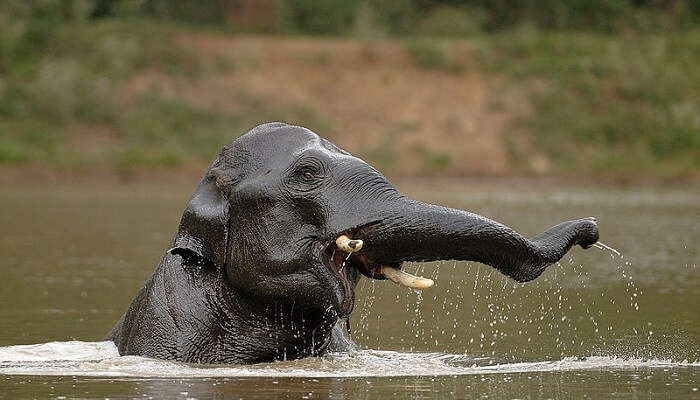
{"x":203,"y":232}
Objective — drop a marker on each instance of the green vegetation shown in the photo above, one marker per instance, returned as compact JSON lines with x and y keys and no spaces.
{"x":598,"y":104}
{"x":66,"y":99}
{"x":61,"y":79}
{"x":432,"y":54}
{"x":602,"y":104}
{"x":396,"y":17}
{"x":433,"y":161}
{"x":425,"y":17}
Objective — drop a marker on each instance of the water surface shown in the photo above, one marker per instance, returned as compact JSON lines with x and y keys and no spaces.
{"x":598,"y":324}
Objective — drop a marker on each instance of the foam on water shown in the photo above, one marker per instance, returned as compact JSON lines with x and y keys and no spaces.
{"x":58,"y":351}
{"x":102,"y":359}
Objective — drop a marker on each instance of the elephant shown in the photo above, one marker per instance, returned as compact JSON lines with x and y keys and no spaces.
{"x":277,"y":234}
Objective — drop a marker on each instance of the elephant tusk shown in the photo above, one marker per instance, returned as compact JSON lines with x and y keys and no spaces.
{"x":348,"y":245}
{"x":405,"y":279}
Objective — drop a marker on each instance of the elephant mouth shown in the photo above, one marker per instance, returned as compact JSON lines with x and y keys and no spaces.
{"x":341,"y":264}
{"x":344,"y":255}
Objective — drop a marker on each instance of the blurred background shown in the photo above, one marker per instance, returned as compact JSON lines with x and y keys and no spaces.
{"x":528,"y":112}
{"x":599,"y":89}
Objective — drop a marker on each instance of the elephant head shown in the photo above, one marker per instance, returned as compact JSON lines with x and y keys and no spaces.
{"x":287,"y":220}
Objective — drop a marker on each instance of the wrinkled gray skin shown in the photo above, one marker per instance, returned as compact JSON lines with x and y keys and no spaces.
{"x":252,"y":275}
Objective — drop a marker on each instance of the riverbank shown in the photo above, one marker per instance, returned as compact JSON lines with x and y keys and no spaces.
{"x":130,"y":98}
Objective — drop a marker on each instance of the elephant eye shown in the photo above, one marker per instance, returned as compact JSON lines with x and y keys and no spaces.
{"x":307,"y":174}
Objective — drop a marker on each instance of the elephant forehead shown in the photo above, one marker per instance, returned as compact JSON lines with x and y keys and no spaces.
{"x":278,"y":145}
{"x":276,"y":138}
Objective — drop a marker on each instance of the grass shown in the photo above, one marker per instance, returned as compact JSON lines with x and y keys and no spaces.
{"x":59,"y":76}
{"x":433,"y":161}
{"x":74,"y":84}
{"x":604,"y":105}
{"x":433,"y":53}
{"x":601,"y":105}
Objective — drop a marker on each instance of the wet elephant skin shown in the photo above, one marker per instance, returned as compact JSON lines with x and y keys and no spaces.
{"x":253,"y":273}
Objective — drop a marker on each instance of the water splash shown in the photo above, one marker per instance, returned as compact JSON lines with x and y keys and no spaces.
{"x":623,"y":269}
{"x":101,"y":359}
{"x":603,"y":246}
{"x":564,"y":313}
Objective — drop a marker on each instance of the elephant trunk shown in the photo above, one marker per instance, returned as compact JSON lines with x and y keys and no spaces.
{"x":413,"y":231}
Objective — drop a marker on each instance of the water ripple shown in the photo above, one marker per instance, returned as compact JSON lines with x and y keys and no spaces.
{"x":102,"y":359}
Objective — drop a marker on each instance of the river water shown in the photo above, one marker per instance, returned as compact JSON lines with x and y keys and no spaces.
{"x":622,"y":322}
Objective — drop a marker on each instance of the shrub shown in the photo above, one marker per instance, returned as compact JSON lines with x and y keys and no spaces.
{"x":318,"y":16}
{"x":12,"y":152}
{"x":452,"y":22}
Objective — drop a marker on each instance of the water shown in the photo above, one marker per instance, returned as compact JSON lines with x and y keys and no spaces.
{"x":619,"y":320}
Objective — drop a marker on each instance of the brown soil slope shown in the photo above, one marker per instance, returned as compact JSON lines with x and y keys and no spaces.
{"x":374,"y":100}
